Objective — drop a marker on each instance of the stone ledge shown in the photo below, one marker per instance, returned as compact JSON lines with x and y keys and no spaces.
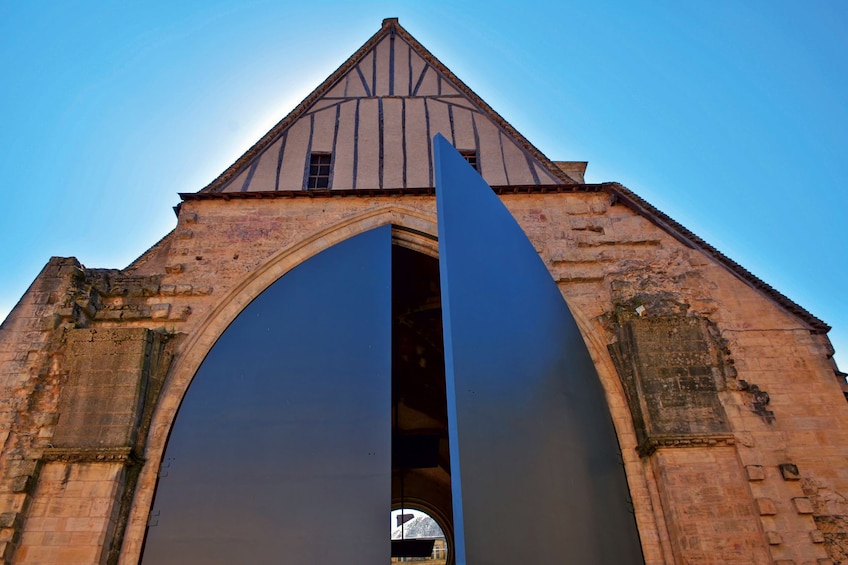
{"x":650,"y":445}
{"x":92,"y":455}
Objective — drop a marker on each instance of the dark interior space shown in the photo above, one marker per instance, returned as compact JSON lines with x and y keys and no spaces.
{"x":420,"y":454}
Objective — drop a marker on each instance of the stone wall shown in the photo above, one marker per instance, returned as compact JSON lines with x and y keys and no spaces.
{"x":731,"y":419}
{"x":81,"y":395}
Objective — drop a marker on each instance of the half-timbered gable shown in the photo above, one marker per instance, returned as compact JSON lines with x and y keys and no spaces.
{"x":370,"y":125}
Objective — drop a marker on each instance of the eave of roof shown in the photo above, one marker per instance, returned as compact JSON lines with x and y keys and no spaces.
{"x":371,"y":192}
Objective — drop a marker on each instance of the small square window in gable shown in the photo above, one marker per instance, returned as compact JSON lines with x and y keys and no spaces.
{"x":470,"y":155}
{"x":319,"y":171}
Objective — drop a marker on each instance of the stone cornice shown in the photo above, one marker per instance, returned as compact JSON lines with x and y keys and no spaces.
{"x":124,"y":455}
{"x":652,"y":444}
{"x":374,"y":192}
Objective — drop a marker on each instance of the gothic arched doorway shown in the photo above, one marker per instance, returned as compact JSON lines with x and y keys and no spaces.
{"x":351,"y":384}
{"x":320,"y":406}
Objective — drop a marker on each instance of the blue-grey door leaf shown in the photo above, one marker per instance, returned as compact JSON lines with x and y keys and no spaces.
{"x":281,"y":450}
{"x":536,"y":471}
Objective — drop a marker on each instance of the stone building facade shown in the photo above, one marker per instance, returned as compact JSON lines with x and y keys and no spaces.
{"x":730,"y":413}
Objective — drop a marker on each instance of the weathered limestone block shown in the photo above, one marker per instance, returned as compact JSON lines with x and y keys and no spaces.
{"x":672,"y":373}
{"x":835,"y":530}
{"x":709,"y":510}
{"x":103,"y":401}
{"x":74,"y":514}
{"x":830,"y":513}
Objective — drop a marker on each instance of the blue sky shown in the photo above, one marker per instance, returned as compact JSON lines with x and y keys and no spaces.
{"x":731,"y":117}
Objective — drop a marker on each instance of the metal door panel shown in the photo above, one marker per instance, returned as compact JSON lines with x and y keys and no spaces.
{"x":281,"y":450}
{"x":536,"y":471}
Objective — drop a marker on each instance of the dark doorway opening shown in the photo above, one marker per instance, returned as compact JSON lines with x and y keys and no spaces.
{"x":420,"y":448}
